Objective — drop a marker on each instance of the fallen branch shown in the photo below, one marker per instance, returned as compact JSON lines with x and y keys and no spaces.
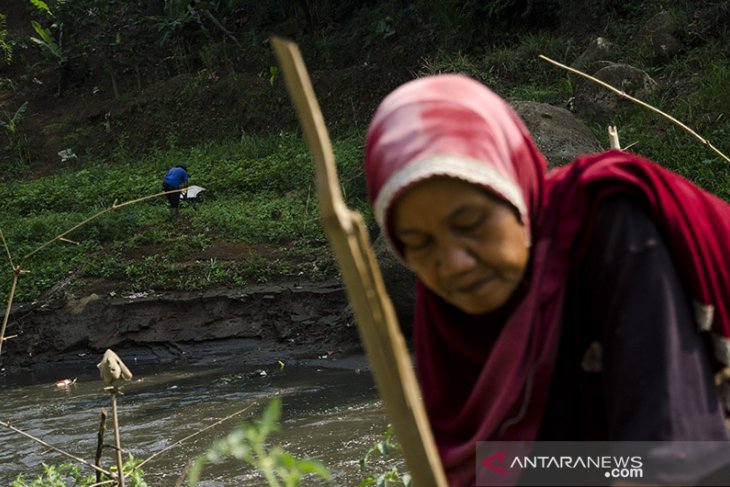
{"x":642,"y":103}
{"x":38,"y":440}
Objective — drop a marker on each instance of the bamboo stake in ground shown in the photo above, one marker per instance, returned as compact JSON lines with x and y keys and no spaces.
{"x":117,"y":437}
{"x":377,"y":324}
{"x":7,"y":310}
{"x":16,"y":274}
{"x":637,"y":101}
{"x":613,"y":137}
{"x":112,"y":370}
{"x":100,"y":443}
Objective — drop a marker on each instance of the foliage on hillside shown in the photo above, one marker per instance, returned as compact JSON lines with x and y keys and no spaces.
{"x":134,"y":86}
{"x":259,"y":197}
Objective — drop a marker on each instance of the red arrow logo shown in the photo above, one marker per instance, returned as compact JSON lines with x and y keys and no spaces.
{"x":498,"y":456}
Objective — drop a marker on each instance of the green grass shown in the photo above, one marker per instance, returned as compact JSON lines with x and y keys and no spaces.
{"x":259,"y":191}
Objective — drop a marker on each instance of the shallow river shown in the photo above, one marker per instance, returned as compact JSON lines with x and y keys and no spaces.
{"x":329,"y":413}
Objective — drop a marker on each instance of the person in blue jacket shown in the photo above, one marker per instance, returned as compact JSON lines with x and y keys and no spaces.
{"x":175,"y":178}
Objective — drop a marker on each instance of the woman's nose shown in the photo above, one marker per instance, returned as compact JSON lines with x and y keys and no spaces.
{"x":454,"y":259}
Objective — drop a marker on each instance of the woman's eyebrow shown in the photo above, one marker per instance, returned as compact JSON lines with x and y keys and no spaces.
{"x":405,"y":232}
{"x":460,"y":211}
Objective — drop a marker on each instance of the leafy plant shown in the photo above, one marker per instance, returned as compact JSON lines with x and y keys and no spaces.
{"x":270,"y":73}
{"x":384,"y":447}
{"x":63,"y":474}
{"x":6,"y":48}
{"x":48,"y":44}
{"x":16,"y":142}
{"x":248,"y":444}
{"x":10,"y":124}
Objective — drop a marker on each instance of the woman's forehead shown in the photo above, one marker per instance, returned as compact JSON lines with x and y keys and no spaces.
{"x":445,"y":195}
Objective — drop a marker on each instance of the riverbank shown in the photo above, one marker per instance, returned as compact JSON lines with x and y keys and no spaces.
{"x":295,"y":322}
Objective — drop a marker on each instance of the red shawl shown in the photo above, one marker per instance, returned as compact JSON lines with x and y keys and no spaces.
{"x":487,"y":377}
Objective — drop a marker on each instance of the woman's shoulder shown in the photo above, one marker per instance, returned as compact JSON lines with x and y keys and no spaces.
{"x":622,"y":226}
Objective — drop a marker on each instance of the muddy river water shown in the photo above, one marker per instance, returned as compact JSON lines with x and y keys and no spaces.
{"x":329,"y":413}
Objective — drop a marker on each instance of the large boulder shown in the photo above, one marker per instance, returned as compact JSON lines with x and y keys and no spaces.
{"x":657,"y":39}
{"x":596,"y":104}
{"x":600,"y":49}
{"x":559,"y":135}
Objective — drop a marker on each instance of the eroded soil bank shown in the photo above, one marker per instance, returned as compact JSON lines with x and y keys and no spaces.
{"x":258,"y":324}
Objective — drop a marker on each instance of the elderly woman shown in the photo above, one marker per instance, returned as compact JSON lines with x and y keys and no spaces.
{"x":588,"y":303}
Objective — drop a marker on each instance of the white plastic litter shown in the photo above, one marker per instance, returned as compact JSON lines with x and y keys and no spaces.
{"x":193,"y":191}
{"x":66,"y":155}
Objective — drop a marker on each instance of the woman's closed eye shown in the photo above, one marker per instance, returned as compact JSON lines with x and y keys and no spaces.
{"x":467,"y":219}
{"x":414,"y":240}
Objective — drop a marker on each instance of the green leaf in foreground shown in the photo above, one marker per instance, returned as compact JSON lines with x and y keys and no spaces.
{"x":248,"y":444}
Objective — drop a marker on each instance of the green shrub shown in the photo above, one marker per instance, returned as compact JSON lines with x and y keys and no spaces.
{"x":66,"y":474}
{"x":249,"y":444}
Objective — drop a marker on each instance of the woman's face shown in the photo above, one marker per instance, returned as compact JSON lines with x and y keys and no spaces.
{"x":465,"y":245}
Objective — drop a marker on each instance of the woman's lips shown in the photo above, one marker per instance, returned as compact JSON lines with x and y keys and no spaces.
{"x":473,"y":286}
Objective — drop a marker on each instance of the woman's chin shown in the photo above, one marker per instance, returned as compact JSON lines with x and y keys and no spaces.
{"x":480,"y":303}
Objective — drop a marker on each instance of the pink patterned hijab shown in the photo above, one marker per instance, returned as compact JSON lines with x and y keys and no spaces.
{"x":487,"y":377}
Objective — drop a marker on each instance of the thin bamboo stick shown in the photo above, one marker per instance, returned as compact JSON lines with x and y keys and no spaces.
{"x":38,"y":440}
{"x":7,"y":249}
{"x":7,"y":310}
{"x":642,"y":103}
{"x":18,"y":270}
{"x":180,"y":442}
{"x":95,"y":216}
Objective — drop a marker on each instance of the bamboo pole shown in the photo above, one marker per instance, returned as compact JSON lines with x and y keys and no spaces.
{"x":7,"y":249}
{"x":377,"y":324}
{"x":639,"y":102}
{"x":613,"y":137}
{"x":95,"y":216}
{"x":117,"y":438}
{"x":16,"y":273}
{"x":7,"y":310}
{"x":100,"y":443}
